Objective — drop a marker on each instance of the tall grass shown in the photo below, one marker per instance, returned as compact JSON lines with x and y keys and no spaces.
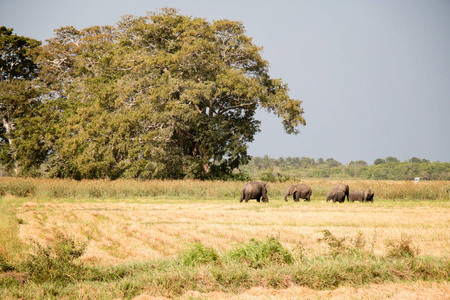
{"x":85,"y":189}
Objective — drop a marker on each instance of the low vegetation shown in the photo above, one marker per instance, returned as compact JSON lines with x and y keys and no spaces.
{"x":177,"y":243}
{"x":52,"y":271}
{"x":84,"y":189}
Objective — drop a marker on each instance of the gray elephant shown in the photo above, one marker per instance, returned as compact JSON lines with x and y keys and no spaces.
{"x":300,"y":191}
{"x":336,"y":196}
{"x":255,"y":190}
{"x":369,"y":194}
{"x":362,"y":196}
{"x":343,"y":188}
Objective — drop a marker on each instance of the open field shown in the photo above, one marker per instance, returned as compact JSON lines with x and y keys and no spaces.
{"x":185,"y":241}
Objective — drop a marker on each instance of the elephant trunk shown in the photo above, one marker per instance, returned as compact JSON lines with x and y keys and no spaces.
{"x":288,"y":193}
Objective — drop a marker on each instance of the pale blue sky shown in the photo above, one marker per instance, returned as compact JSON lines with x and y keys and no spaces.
{"x":374,"y":75}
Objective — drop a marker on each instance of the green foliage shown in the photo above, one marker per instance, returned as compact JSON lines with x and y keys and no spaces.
{"x":305,"y":167}
{"x":15,"y":57}
{"x":159,"y":96}
{"x":379,"y":161}
{"x":268,"y":176}
{"x":258,"y":254}
{"x":55,"y":262}
{"x":200,"y":254}
{"x":21,"y":151}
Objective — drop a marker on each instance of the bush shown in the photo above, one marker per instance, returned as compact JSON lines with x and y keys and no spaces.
{"x":200,"y":254}
{"x":258,"y":254}
{"x":55,"y":263}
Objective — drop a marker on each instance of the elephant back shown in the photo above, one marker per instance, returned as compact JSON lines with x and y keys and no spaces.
{"x":356,"y":195}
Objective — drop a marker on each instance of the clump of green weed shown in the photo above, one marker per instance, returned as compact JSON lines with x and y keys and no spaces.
{"x":200,"y":254}
{"x":55,"y":262}
{"x":401,"y":247}
{"x":5,"y":266}
{"x":258,"y":254}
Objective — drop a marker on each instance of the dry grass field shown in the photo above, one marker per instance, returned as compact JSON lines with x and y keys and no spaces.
{"x":131,"y":230}
{"x":119,"y":232}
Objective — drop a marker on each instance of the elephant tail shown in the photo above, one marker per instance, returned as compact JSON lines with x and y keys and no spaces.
{"x":242,"y":195}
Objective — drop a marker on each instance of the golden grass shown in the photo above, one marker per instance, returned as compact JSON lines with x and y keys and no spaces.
{"x":129,"y":232}
{"x":393,"y":291}
{"x":195,"y":189}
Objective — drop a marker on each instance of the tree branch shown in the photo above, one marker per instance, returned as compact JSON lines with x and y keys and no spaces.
{"x":221,"y":111}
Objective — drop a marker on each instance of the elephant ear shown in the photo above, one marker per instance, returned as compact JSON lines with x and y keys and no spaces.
{"x":266,"y":185}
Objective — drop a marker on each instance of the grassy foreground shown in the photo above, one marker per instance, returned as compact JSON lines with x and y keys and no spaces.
{"x":178,"y":244}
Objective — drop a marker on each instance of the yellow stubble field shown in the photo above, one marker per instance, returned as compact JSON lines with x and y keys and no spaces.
{"x":119,"y":232}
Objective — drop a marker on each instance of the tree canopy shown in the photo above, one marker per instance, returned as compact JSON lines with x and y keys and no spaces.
{"x":17,"y":95}
{"x":159,"y":96}
{"x":271,"y":169}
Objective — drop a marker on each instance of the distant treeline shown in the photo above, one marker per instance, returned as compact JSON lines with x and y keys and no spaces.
{"x":271,"y":169}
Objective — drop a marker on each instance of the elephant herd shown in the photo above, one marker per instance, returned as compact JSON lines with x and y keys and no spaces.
{"x":258,"y":190}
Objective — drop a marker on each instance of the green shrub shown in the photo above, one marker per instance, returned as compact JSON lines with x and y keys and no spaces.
{"x":200,"y":254}
{"x":258,"y":254}
{"x":55,"y":263}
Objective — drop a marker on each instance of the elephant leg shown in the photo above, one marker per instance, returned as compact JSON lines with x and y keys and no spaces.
{"x":258,"y":199}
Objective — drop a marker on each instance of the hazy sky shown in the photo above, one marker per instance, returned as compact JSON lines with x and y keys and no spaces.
{"x":374,"y":75}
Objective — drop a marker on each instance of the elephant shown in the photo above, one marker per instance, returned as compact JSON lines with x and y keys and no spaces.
{"x":255,"y":190}
{"x":300,"y":191}
{"x":369,"y":194}
{"x":343,"y":188}
{"x":336,"y":196}
{"x":362,"y":196}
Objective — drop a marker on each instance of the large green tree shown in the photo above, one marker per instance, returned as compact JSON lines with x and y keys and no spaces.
{"x":159,"y":96}
{"x":19,"y":149}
